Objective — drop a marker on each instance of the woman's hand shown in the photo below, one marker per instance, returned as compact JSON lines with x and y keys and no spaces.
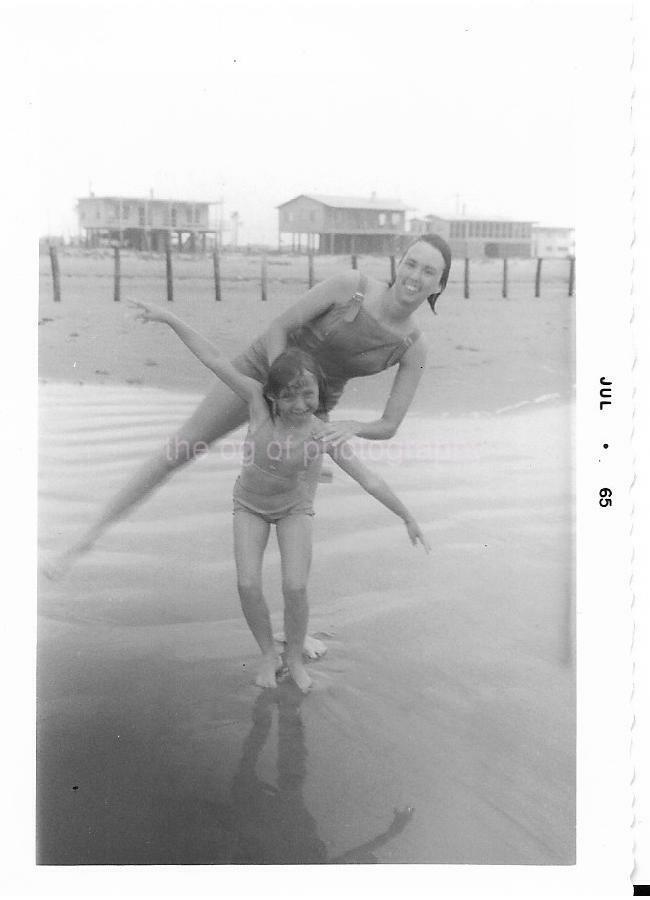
{"x":149,"y":312}
{"x":336,"y":433}
{"x":415,"y":534}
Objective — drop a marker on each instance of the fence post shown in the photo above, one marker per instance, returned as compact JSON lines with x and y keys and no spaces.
{"x":311,"y":268}
{"x":572,"y":276}
{"x":393,"y":270}
{"x":116,"y":274}
{"x":504,"y":291}
{"x":264,"y":294}
{"x":56,"y":275}
{"x":538,"y":277}
{"x":466,"y":285}
{"x":170,"y":274}
{"x":217,"y":274}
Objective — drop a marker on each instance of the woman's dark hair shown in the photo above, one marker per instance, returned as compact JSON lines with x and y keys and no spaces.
{"x":440,"y":244}
{"x":287,"y":367}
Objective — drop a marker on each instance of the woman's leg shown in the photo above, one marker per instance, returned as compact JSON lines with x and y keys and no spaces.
{"x":295,"y":539}
{"x":251,"y":536}
{"x":220,"y":412}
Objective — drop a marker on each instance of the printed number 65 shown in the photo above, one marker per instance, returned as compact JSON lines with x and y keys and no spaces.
{"x":605,"y":497}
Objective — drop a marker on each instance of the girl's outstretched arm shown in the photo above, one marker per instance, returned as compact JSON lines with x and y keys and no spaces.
{"x":247,"y":388}
{"x":347,"y":460}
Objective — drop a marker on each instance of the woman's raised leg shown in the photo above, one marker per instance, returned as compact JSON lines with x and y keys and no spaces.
{"x":219,"y":412}
{"x":295,"y":540}
{"x":251,"y":536}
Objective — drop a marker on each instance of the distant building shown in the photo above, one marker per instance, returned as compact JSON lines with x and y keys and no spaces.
{"x":144,"y":223}
{"x":549,"y":241}
{"x":343,"y":224}
{"x":474,"y":237}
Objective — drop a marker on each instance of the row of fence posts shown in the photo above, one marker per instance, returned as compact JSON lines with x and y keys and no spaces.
{"x":56,"y":275}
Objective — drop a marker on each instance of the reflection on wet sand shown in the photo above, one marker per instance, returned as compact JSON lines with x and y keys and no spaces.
{"x":271,"y":825}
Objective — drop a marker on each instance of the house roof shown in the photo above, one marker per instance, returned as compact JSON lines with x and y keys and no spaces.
{"x":482,"y":219}
{"x":336,"y":202}
{"x":129,"y":199}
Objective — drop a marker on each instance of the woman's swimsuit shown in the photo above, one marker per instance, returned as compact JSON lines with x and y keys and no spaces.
{"x":272,"y":483}
{"x":345,"y":341}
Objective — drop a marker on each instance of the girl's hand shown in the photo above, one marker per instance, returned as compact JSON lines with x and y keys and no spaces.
{"x":416,"y":535}
{"x":335,"y":433}
{"x":149,"y":312}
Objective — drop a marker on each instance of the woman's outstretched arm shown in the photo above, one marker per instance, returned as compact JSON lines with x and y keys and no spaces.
{"x":205,"y":351}
{"x":405,"y":384}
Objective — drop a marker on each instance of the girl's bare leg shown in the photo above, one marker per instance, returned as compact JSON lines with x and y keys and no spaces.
{"x":295,"y":540}
{"x":251,"y":536}
{"x":313,"y":647}
{"x":218,"y":413}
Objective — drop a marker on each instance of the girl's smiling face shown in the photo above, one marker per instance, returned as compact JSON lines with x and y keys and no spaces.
{"x":298,"y":400}
{"x":419,"y":273}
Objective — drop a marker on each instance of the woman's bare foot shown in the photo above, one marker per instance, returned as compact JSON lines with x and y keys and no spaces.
{"x":299,"y":674}
{"x":55,"y":567}
{"x":266,"y":673}
{"x":313,"y":648}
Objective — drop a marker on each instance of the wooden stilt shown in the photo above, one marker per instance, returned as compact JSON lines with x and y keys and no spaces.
{"x":466,"y":280}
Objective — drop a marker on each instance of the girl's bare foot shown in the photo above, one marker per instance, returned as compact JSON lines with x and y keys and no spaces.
{"x":266,"y":673}
{"x":299,"y":674}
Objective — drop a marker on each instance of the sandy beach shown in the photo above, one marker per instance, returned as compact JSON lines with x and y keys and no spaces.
{"x":440,"y":728}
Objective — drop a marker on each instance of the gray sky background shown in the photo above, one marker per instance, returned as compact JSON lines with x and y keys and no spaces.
{"x":436,"y":104}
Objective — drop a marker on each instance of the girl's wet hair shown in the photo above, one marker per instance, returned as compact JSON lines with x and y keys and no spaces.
{"x":440,"y":244}
{"x":290,"y":365}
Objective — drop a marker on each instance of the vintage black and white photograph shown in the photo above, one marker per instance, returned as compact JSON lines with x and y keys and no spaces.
{"x":307,"y":386}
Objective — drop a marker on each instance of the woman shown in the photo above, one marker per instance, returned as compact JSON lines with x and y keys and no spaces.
{"x":352,"y":326}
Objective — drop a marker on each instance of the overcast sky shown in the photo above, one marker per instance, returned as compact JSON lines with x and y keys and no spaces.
{"x":439,"y":105}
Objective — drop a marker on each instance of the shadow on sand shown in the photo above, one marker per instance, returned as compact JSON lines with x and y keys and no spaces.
{"x":271,"y":824}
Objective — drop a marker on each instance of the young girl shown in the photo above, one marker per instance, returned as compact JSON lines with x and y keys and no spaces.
{"x":283,"y":441}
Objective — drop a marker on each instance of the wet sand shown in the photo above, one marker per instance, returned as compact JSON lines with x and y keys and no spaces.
{"x":447,"y":693}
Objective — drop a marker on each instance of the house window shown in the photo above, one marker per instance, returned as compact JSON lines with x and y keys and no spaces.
{"x":126,"y":210}
{"x":141,"y":216}
{"x":396,"y":218}
{"x":382,"y":219}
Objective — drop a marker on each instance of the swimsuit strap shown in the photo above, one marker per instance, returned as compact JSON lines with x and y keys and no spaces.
{"x":354,"y":304}
{"x":403,"y":346}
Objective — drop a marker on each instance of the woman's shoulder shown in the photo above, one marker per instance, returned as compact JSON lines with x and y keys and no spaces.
{"x":342,"y":286}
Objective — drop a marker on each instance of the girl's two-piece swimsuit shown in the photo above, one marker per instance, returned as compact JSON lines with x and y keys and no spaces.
{"x":346,"y":342}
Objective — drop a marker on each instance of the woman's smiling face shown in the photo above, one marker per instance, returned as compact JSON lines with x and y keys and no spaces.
{"x":419,"y":273}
